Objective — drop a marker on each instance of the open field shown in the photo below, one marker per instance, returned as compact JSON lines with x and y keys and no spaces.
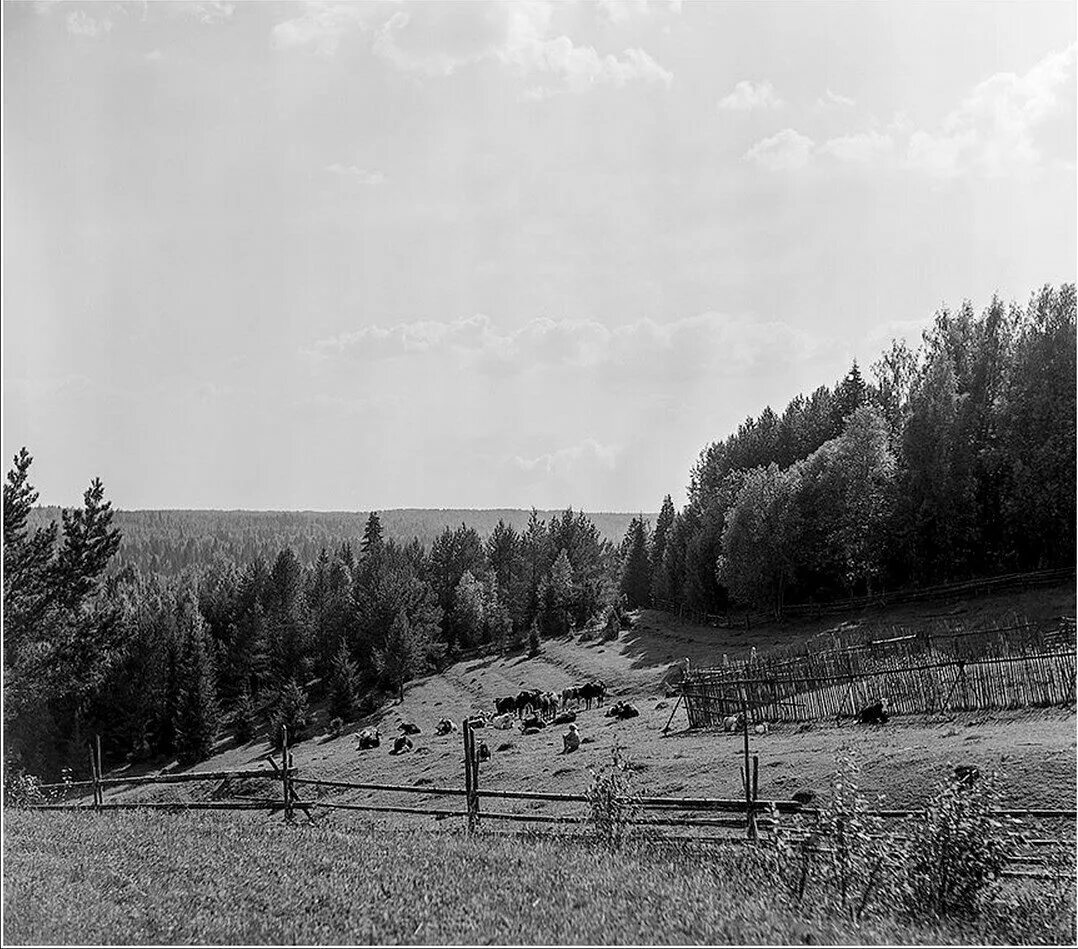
{"x":211,"y":878}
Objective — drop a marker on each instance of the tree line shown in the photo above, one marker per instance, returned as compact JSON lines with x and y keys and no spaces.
{"x":165,"y":665}
{"x":953,"y":459}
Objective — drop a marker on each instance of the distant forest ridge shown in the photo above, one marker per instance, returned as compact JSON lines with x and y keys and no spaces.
{"x":167,"y":541}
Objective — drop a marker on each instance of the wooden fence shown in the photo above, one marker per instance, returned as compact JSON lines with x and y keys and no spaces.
{"x":716,"y":820}
{"x":1019,"y":666}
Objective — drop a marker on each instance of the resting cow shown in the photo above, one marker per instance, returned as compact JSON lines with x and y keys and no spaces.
{"x":874,"y":714}
{"x":565,"y":718}
{"x":369,"y":738}
{"x":409,"y":728}
{"x":401,"y":745}
{"x":502,"y":722}
{"x":506,"y":705}
{"x":622,"y":711}
{"x":444,"y":727}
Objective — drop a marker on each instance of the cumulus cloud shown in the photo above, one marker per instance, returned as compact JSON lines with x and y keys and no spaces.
{"x":680,"y":349}
{"x":1003,"y":125}
{"x":439,"y":39}
{"x":81,"y":23}
{"x":787,"y":150}
{"x":831,"y":100}
{"x":566,"y":461}
{"x":859,"y":147}
{"x":748,"y":95}
{"x":360,"y":175}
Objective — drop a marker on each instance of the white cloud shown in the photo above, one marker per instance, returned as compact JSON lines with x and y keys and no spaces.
{"x":859,"y":147}
{"x":361,"y":175}
{"x":748,"y":95}
{"x":213,"y":12}
{"x":830,"y":100}
{"x":676,"y":350}
{"x":624,"y":11}
{"x":1003,"y":125}
{"x":437,"y":39}
{"x":567,"y":461}
{"x":787,"y":150}
{"x":82,"y":24}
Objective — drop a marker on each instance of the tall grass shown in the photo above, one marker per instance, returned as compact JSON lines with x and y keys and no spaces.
{"x":196,"y":878}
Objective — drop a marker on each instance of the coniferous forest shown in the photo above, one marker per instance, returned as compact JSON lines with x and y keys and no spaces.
{"x":950,"y":460}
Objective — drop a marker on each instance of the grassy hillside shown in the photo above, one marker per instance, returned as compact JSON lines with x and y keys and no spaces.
{"x":211,"y":878}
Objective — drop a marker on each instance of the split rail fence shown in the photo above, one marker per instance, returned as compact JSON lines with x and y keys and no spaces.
{"x":716,"y":820}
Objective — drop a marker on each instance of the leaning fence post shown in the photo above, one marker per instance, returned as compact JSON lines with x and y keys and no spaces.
{"x":93,"y":771}
{"x":100,"y":772}
{"x":465,"y":730}
{"x":286,"y":788}
{"x":750,"y":809}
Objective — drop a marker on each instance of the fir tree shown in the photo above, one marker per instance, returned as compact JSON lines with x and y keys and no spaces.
{"x":343,"y":685}
{"x":290,"y":711}
{"x":372,"y":535}
{"x":245,"y":717}
{"x":197,"y":720}
{"x":636,"y":572}
{"x":663,"y":524}
{"x":398,"y":660}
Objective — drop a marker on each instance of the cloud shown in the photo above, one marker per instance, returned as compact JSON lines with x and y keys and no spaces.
{"x":436,"y":39}
{"x":568,"y":461}
{"x":213,"y":12}
{"x":831,"y":100}
{"x":678,"y":350}
{"x":1005,"y":124}
{"x":859,"y":147}
{"x":360,"y":175}
{"x":82,"y":24}
{"x":748,"y":95}
{"x":623,"y":11}
{"x":787,"y":150}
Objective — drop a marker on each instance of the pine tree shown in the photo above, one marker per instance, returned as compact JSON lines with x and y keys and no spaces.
{"x":343,"y":685}
{"x":290,"y":711}
{"x":398,"y":660}
{"x":556,"y":594}
{"x":663,"y":523}
{"x":245,"y":717}
{"x":372,"y":535}
{"x":636,"y":573}
{"x":197,"y":719}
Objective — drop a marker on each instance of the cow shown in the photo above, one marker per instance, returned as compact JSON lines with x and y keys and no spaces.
{"x":503,"y":721}
{"x":444,"y":727}
{"x":760,"y":728}
{"x":369,"y":738}
{"x":572,"y":694}
{"x":570,"y":740}
{"x":401,"y":745}
{"x":527,"y":699}
{"x":874,"y":714}
{"x":532,"y":721}
{"x":733,"y":723}
{"x":622,"y":711}
{"x":593,"y":691}
{"x":483,"y":752}
{"x":409,"y":728}
{"x":548,"y":704}
{"x":565,"y":718}
{"x":506,"y":705}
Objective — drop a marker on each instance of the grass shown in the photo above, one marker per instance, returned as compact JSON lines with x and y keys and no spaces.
{"x":143,"y":878}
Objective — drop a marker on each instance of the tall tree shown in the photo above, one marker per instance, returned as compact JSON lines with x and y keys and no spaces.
{"x":635,"y":583}
{"x":663,"y":524}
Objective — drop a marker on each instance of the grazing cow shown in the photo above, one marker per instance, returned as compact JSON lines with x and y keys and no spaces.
{"x":570,"y":740}
{"x":506,"y":705}
{"x":444,"y":727}
{"x":874,"y":714}
{"x":369,"y":738}
{"x":409,"y":728}
{"x":527,"y":700}
{"x":549,"y":704}
{"x":502,"y":721}
{"x":565,"y":718}
{"x":483,"y":752}
{"x":593,"y":691}
{"x":572,"y":694}
{"x":401,"y":745}
{"x":622,"y":711}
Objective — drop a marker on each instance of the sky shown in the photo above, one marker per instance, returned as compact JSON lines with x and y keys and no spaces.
{"x":364,"y":256}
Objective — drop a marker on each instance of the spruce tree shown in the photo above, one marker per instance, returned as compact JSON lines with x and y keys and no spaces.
{"x":291,"y":711}
{"x":197,"y":719}
{"x":636,"y":571}
{"x":343,"y":685}
{"x":398,"y":659}
{"x":663,"y":523}
{"x":245,"y":717}
{"x":372,"y":535}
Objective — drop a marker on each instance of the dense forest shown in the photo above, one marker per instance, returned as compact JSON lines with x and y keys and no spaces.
{"x":168,"y":542}
{"x":953,"y":459}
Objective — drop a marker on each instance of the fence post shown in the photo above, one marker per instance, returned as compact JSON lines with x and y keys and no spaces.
{"x":286,"y":783}
{"x":100,"y":772}
{"x":750,"y":804}
{"x":466,"y":734}
{"x":93,"y":772}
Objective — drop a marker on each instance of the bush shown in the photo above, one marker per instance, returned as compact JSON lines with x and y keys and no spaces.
{"x":336,"y":726}
{"x":613,"y":801}
{"x":957,"y":851}
{"x":534,"y":645}
{"x":22,"y":789}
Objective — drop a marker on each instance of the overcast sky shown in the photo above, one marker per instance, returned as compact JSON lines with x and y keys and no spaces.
{"x":397,"y":254}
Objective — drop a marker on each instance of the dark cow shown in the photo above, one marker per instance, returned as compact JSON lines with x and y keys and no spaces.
{"x":874,"y":714}
{"x":409,"y":728}
{"x":483,"y":751}
{"x":401,"y":745}
{"x":532,"y":721}
{"x":444,"y":727}
{"x":622,"y":711}
{"x":506,"y":705}
{"x":565,"y":718}
{"x":592,"y":692}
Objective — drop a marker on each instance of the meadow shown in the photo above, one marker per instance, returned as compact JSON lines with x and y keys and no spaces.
{"x":142,"y":878}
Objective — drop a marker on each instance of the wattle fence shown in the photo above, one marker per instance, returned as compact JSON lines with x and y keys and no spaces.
{"x":1024,"y":665}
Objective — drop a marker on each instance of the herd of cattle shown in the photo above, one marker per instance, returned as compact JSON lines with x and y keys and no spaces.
{"x":531,"y":710}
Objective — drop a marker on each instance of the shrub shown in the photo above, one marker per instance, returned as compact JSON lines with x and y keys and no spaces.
{"x":957,"y":850}
{"x":22,"y":789}
{"x":613,"y":801}
{"x":336,"y":726}
{"x":534,"y":645}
